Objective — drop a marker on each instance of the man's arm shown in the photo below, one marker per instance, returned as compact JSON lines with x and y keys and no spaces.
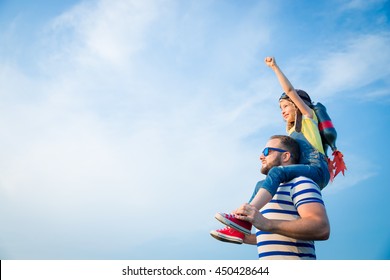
{"x":313,"y":224}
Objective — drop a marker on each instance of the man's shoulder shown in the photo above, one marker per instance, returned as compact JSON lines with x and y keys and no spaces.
{"x":301,"y":180}
{"x":304,"y":190}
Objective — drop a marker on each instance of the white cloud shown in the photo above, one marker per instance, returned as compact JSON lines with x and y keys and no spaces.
{"x":363,"y":60}
{"x":109,"y":138}
{"x":110,"y":31}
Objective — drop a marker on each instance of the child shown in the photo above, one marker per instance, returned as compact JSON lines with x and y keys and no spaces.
{"x":302,"y":125}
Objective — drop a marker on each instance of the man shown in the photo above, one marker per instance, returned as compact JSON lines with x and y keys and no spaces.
{"x":288,"y":225}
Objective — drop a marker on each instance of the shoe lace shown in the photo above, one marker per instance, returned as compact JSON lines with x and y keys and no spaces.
{"x":228,"y":229}
{"x":225,"y":228}
{"x":230,"y":215}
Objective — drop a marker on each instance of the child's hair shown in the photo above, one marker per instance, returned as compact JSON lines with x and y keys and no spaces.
{"x":302,"y":94}
{"x":289,"y":144}
{"x":298,"y":117}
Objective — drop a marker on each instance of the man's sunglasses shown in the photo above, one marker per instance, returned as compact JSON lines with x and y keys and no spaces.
{"x":267,"y":149}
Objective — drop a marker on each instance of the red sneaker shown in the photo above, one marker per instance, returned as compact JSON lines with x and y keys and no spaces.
{"x":231,"y":221}
{"x":228,"y":234}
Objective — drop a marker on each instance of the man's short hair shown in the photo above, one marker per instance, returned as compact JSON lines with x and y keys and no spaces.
{"x":290,"y":144}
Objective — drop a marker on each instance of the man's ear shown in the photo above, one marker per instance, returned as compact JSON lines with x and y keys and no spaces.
{"x":286,"y":156}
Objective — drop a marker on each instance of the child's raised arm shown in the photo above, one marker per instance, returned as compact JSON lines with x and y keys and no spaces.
{"x":288,"y":88}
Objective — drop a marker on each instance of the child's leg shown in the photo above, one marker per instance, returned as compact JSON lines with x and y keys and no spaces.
{"x":281,"y":174}
{"x":255,"y":191}
{"x":262,"y":197}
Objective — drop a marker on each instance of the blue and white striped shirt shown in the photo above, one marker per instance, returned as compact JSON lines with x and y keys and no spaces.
{"x":283,"y":206}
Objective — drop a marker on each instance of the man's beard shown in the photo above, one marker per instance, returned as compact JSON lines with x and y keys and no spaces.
{"x":276,"y":162}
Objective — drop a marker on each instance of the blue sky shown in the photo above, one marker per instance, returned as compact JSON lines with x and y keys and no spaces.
{"x":126,"y":125}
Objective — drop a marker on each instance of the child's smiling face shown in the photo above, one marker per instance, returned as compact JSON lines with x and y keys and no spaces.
{"x":288,"y":110}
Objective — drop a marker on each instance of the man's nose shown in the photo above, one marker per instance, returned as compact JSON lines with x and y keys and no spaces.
{"x":261,"y":157}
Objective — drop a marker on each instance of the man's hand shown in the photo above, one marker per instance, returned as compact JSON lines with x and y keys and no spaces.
{"x":251,"y":214}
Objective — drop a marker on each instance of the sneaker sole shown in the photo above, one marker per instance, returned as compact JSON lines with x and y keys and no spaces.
{"x":229,"y":223}
{"x":225,"y":238}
